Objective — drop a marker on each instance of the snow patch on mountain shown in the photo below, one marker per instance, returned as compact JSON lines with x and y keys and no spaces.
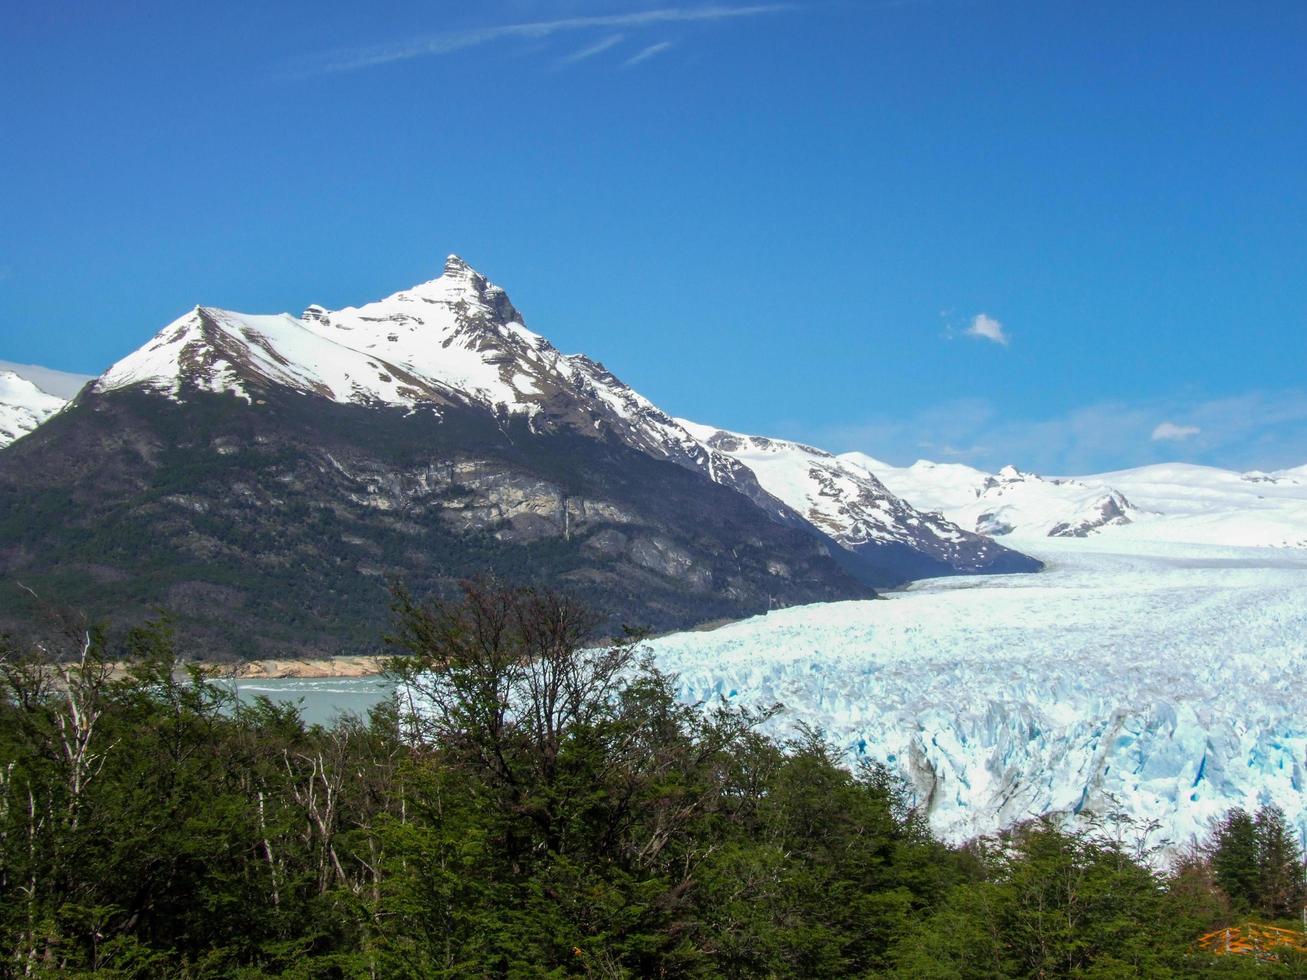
{"x":221,"y":351}
{"x":23,"y":406}
{"x":1163,"y":680}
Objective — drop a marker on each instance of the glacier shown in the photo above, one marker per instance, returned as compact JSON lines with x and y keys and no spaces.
{"x":1134,"y":675}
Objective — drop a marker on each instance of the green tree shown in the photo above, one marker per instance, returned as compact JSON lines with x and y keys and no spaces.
{"x":1280,"y":892}
{"x":1048,"y":903}
{"x":1236,"y":860}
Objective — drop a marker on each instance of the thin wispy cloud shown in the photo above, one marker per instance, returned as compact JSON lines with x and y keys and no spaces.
{"x":432,"y":45}
{"x":985,"y":327}
{"x":652,"y":51}
{"x":589,"y":51}
{"x":65,"y":384}
{"x":1254,"y":430}
{"x":1170,"y":432}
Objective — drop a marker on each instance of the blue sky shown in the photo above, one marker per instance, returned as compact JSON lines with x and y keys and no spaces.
{"x":1071,"y":236}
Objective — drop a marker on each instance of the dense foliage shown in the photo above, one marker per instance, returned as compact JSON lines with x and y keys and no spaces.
{"x":550,"y":810}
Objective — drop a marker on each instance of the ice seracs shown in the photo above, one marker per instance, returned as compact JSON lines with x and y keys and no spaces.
{"x":1161,"y":680}
{"x":23,"y":406}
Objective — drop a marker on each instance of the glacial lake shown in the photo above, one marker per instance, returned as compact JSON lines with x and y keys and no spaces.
{"x":320,"y":698}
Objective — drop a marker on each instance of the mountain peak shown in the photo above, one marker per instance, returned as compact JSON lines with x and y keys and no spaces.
{"x":459,"y":283}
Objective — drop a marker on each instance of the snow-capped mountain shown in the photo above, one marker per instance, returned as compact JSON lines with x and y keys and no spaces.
{"x":455,"y":340}
{"x":23,"y":406}
{"x":1177,"y":502}
{"x":1006,"y":501}
{"x":854,"y":508}
{"x":459,"y":341}
{"x":264,"y":477}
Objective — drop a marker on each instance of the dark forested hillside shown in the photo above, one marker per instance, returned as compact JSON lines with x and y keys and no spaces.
{"x":275,"y":527}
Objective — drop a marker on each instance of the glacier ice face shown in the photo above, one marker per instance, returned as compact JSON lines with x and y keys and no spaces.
{"x":1162,"y":680}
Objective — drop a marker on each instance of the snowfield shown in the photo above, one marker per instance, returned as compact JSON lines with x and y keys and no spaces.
{"x":1164,"y":680}
{"x":1176,"y":502}
{"x":23,"y":406}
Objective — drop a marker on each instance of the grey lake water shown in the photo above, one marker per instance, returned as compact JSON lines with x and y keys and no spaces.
{"x":320,"y":699}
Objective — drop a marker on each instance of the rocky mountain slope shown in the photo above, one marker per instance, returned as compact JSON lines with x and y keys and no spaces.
{"x":276,"y":526}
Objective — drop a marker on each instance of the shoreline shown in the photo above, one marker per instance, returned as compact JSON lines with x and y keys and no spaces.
{"x":309,"y":668}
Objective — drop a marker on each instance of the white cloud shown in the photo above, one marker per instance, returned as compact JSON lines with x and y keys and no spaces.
{"x":985,"y":327}
{"x":647,"y":53}
{"x":589,"y":51}
{"x":352,"y":59}
{"x":1170,"y":432}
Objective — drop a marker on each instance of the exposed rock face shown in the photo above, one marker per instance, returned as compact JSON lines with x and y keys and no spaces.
{"x":1109,"y":510}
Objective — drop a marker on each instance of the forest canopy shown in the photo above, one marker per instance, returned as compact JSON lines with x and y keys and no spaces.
{"x":551,"y":810}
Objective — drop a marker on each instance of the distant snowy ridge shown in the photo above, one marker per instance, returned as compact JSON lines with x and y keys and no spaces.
{"x":61,"y":384}
{"x":1204,"y":504}
{"x":1175,"y":502}
{"x":848,"y":502}
{"x":23,"y":406}
{"x":1006,"y":501}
